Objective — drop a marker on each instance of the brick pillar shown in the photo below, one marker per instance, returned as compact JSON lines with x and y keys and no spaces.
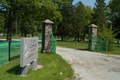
{"x":92,"y":36}
{"x":46,"y":35}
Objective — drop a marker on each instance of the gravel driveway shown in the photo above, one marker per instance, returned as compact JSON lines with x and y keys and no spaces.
{"x":91,"y":65}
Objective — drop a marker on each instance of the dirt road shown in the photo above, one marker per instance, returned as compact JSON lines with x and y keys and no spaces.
{"x":91,"y":65}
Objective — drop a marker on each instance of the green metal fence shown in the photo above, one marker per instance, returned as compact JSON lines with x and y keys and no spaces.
{"x":96,"y":44}
{"x":53,"y":44}
{"x":40,"y":43}
{"x":15,"y":48}
{"x":117,"y":45}
{"x":4,"y":52}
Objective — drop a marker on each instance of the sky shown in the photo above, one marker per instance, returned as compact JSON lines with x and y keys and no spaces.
{"x":88,"y":2}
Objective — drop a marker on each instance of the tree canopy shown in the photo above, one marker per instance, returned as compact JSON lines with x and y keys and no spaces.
{"x":99,"y":16}
{"x":38,"y":10}
{"x":25,"y":17}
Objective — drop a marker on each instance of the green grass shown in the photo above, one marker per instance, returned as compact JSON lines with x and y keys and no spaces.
{"x":53,"y":64}
{"x":13,"y":37}
{"x":83,"y":45}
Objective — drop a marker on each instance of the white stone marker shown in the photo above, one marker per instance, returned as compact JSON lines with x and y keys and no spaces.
{"x":28,"y":54}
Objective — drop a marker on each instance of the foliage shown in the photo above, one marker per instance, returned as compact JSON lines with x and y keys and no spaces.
{"x":99,"y":16}
{"x":88,"y":15}
{"x":114,"y":14}
{"x":88,"y":18}
{"x":2,"y":23}
{"x":64,"y":28}
{"x":80,"y":18}
{"x":108,"y":35}
{"x":36,"y":33}
{"x":38,"y":10}
{"x":100,"y":19}
{"x":27,"y":26}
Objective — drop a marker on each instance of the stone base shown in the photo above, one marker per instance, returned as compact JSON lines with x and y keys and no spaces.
{"x":33,"y":65}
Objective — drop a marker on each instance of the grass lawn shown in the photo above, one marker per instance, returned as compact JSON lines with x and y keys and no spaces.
{"x":13,"y":37}
{"x":53,"y":65}
{"x":112,"y":52}
{"x":83,"y":45}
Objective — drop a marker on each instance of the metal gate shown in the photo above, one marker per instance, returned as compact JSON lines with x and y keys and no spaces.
{"x":96,"y":44}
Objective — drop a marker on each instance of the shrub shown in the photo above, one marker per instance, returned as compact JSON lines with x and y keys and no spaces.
{"x":36,"y":33}
{"x":107,"y":34}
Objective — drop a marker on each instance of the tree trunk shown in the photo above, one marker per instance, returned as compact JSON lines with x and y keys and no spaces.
{"x":84,"y":39}
{"x":22,"y":34}
{"x":9,"y":26}
{"x":32,"y":35}
{"x":62,"y":38}
{"x":25,"y":35}
{"x":75,"y":38}
{"x":78,"y":40}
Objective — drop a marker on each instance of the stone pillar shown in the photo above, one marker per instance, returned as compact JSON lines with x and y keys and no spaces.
{"x":92,"y":36}
{"x":46,"y":35}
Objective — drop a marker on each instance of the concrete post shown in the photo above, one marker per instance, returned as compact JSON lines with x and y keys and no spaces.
{"x":46,"y":35}
{"x":92,"y":36}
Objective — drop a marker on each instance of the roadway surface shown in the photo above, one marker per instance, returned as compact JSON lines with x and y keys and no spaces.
{"x":91,"y":65}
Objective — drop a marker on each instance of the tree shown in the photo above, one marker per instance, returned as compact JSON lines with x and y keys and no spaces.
{"x":27,"y":26}
{"x":105,"y":31}
{"x":2,"y":25}
{"x":17,"y":7}
{"x":99,"y":16}
{"x":65,"y":27}
{"x":80,"y":19}
{"x":88,"y":15}
{"x":88,"y":18}
{"x":39,"y":10}
{"x":114,"y":15}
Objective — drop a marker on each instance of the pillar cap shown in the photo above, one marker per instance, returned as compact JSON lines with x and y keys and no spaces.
{"x":47,"y":21}
{"x":93,"y":26}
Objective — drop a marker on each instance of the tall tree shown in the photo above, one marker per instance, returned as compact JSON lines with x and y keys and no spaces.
{"x":88,"y":18}
{"x":88,"y":15}
{"x":99,"y":16}
{"x":80,"y":19}
{"x":2,"y":25}
{"x":114,"y":14}
{"x":65,"y":27}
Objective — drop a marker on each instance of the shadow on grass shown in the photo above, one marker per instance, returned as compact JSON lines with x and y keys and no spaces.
{"x":14,"y":70}
{"x":83,"y":49}
{"x":15,"y":57}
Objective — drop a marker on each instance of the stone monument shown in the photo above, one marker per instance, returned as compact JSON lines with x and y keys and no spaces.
{"x":92,"y":36}
{"x":28,"y":54}
{"x":47,"y":35}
